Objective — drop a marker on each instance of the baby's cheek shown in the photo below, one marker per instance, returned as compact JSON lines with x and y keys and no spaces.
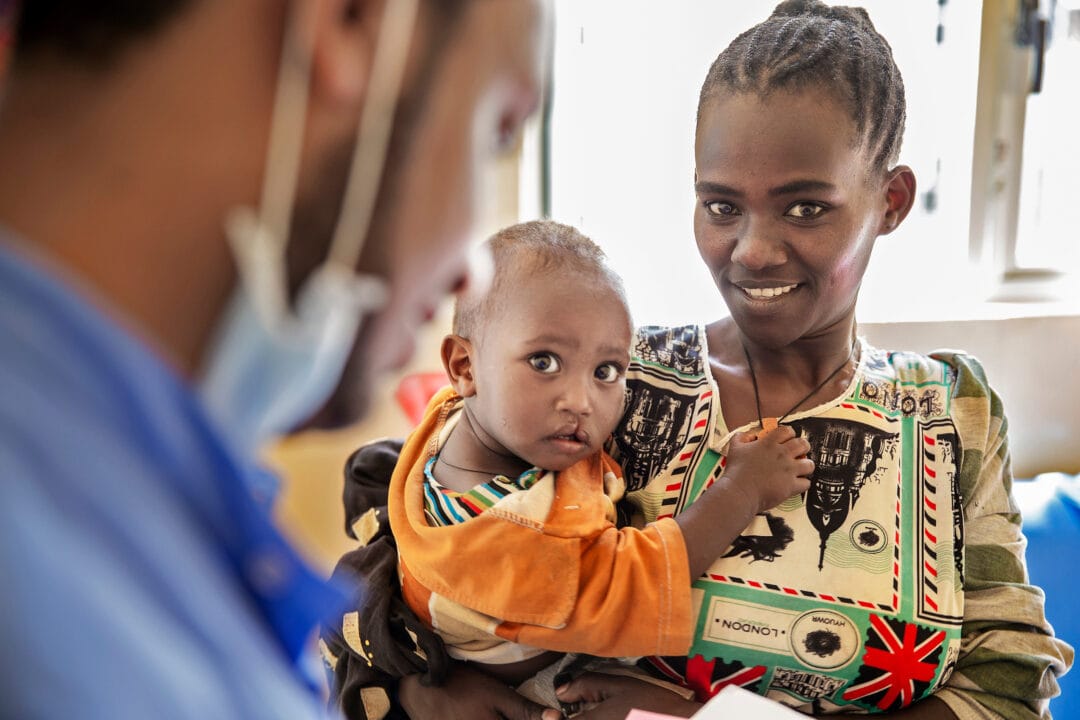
{"x":607,"y":422}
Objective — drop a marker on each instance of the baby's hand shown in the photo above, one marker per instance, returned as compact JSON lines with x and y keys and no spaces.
{"x":770,"y":468}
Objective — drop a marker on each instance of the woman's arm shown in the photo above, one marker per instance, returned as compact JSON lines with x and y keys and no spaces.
{"x":1009,"y":659}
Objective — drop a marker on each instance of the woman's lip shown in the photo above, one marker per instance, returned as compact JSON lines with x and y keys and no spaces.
{"x":767,"y":292}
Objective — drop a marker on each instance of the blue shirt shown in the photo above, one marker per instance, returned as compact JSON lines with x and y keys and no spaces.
{"x":1050,"y":505}
{"x":139,"y":576}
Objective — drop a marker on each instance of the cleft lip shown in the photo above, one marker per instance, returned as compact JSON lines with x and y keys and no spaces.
{"x":572,"y":432}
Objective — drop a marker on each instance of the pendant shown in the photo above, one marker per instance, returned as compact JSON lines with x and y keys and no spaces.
{"x":767,"y":426}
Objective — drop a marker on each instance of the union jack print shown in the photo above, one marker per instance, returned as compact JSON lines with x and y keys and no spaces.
{"x":707,"y":677}
{"x":899,"y":664}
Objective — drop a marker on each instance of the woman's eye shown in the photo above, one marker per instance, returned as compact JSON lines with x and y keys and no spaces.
{"x":805,"y":210}
{"x":608,"y":373}
{"x":721,"y":209}
{"x":544,"y":362}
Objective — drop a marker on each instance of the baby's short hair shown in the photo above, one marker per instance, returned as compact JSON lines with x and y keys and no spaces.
{"x":537,"y":246}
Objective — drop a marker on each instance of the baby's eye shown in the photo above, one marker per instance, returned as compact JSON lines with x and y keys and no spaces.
{"x":720,"y":208}
{"x":805,"y":210}
{"x":608,"y":372}
{"x":544,"y":362}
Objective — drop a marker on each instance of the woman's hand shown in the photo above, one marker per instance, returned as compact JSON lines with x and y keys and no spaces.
{"x":468,"y":694}
{"x":615,"y":696}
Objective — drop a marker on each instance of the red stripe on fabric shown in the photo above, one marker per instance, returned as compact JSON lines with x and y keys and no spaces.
{"x":471,"y":505}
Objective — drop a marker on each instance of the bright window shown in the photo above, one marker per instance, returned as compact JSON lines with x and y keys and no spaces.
{"x":1047,"y":233}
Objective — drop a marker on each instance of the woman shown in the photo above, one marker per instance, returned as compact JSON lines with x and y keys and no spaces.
{"x":896,"y":585}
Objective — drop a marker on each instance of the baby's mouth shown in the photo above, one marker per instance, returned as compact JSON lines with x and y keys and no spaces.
{"x":577,"y":436}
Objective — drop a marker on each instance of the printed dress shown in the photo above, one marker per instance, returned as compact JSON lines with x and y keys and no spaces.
{"x":854,"y":596}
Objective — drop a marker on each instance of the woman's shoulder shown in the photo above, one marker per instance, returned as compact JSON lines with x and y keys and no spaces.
{"x":949,"y":381}
{"x":954,"y":367}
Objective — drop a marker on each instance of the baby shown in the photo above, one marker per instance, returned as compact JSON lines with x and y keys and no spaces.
{"x":503,"y":499}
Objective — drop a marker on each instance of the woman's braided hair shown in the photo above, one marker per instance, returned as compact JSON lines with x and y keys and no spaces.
{"x":806,"y":43}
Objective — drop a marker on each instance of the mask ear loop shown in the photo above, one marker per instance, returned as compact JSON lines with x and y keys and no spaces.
{"x":373,"y":133}
{"x":258,"y":239}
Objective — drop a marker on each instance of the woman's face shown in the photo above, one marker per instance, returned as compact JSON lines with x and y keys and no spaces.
{"x":787,"y":212}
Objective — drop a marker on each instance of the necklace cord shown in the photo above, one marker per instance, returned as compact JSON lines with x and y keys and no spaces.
{"x":472,"y":424}
{"x":812,"y":393}
{"x":446,"y":462}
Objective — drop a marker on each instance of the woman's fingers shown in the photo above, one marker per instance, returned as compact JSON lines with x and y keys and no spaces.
{"x":589,"y":688}
{"x":469,"y":695}
{"x":611,"y":698}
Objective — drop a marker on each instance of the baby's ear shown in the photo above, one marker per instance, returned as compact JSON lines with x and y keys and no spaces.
{"x":457,"y":359}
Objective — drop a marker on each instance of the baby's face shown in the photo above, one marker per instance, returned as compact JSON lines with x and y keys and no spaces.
{"x":550,"y":367}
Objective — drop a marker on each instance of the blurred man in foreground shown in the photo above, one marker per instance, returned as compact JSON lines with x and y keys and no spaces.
{"x":217,"y":219}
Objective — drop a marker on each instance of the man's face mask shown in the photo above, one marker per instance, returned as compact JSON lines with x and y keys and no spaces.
{"x":273,"y":363}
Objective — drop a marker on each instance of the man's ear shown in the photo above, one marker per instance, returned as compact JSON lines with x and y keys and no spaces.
{"x":899,"y":198}
{"x":344,"y":39}
{"x":457,"y":359}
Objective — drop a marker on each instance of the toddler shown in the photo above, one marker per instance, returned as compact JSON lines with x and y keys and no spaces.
{"x":503,"y":499}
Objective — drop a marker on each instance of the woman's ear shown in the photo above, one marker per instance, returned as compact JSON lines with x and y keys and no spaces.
{"x":899,"y":197}
{"x":344,"y":46}
{"x":457,"y":359}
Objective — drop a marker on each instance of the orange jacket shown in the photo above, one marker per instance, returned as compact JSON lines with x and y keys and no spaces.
{"x":572,"y":583}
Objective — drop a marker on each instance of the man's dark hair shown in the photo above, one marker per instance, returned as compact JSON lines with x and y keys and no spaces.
{"x":94,"y":32}
{"x":91,"y":32}
{"x":806,"y":43}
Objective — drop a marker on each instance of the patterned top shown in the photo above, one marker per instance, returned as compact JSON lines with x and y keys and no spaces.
{"x":443,"y":506}
{"x":899,"y":574}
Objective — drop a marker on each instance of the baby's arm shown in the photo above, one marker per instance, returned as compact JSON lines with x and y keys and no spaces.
{"x":575,"y":582}
{"x":761,"y":473}
{"x":632,"y":581}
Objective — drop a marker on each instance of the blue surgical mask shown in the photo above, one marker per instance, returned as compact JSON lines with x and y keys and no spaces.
{"x":264,"y":376}
{"x":272,"y":363}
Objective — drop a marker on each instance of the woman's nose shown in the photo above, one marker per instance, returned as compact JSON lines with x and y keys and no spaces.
{"x":759,"y":246}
